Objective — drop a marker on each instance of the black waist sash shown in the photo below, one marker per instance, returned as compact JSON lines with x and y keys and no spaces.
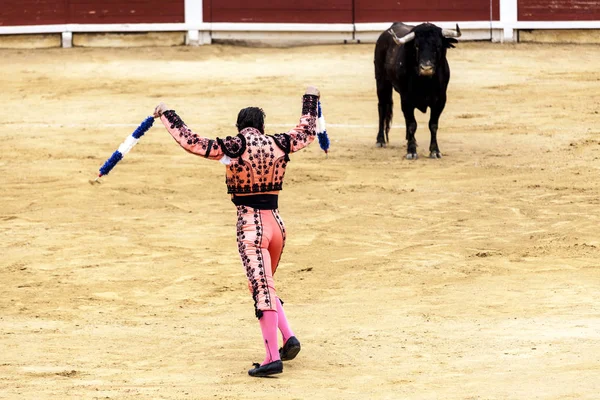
{"x":258,"y":201}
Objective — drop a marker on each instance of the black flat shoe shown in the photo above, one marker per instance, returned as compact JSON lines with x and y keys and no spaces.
{"x":290,"y":349}
{"x":272,"y":368}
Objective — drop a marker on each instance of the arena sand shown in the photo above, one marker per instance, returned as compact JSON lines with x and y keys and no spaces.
{"x":471,"y":277}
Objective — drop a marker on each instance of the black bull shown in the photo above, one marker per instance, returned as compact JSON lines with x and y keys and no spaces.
{"x":412,"y":60}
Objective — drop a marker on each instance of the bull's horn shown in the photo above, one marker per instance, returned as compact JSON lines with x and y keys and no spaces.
{"x":451,"y":33}
{"x":404,"y":39}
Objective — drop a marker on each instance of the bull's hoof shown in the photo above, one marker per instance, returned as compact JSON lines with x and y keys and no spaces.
{"x":435,"y":154}
{"x":380,"y":144}
{"x":412,"y":156}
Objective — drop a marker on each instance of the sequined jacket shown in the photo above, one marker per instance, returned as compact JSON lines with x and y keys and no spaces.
{"x":256,"y":162}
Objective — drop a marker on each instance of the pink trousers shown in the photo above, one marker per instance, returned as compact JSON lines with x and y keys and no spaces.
{"x":261,"y":239}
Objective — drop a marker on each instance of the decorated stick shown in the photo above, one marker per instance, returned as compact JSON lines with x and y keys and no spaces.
{"x":125,"y":147}
{"x":322,"y":131}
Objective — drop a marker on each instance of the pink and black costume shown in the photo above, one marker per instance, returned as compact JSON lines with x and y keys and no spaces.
{"x":255,"y":168}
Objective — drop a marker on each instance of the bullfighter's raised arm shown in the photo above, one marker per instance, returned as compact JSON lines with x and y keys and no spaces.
{"x":305,"y":132}
{"x":190,"y":141}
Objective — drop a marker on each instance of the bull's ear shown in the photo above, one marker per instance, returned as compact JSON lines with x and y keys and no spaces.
{"x":449,"y":42}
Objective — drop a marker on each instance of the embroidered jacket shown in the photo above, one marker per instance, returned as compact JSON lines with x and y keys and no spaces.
{"x":257,"y":161}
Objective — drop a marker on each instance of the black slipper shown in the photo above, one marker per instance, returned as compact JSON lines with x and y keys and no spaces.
{"x":272,"y":368}
{"x":290,"y":349}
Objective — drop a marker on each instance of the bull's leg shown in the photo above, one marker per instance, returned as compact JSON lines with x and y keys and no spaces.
{"x":411,"y":128}
{"x":386,"y":107}
{"x":436,"y":111}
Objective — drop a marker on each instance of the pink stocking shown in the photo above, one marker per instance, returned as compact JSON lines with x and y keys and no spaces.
{"x":282,"y":322}
{"x":268,"y":326}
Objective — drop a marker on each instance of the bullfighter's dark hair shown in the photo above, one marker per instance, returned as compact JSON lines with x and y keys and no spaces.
{"x":251,"y":117}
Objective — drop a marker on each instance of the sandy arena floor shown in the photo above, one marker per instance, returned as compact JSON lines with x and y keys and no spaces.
{"x":476,"y":276}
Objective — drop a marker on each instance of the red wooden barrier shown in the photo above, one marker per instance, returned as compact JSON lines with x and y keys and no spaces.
{"x":282,"y":11}
{"x":32,"y":12}
{"x":559,"y":10}
{"x":125,"y":11}
{"x":419,"y":10}
{"x":48,"y":12}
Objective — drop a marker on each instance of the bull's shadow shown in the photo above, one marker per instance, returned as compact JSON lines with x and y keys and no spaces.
{"x":412,"y":60}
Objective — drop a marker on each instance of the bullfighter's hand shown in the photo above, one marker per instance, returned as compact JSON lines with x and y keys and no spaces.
{"x":314,"y":91}
{"x":159,"y":110}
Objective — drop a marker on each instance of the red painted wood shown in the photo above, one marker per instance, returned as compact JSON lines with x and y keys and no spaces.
{"x":207,"y":11}
{"x":419,"y":10}
{"x":495,"y":10}
{"x":281,"y":11}
{"x":32,"y":12}
{"x":125,"y":11}
{"x":559,"y":10}
{"x":42,"y":12}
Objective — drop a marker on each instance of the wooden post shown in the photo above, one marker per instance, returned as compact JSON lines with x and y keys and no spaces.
{"x":193,"y":21}
{"x":508,"y":19}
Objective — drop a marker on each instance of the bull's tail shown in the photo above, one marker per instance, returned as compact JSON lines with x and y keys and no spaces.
{"x":389,"y":115}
